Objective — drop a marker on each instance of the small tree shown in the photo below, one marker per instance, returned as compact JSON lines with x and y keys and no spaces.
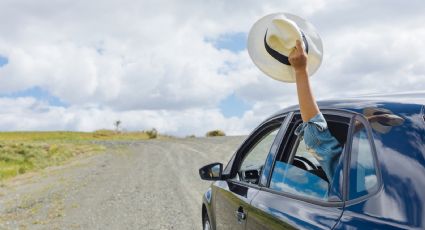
{"x":117,"y":124}
{"x":152,"y":134}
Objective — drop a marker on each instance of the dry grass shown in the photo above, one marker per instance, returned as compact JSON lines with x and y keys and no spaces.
{"x":22,"y":152}
{"x":103,"y":134}
{"x":18,"y":158}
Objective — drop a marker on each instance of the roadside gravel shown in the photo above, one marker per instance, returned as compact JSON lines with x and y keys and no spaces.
{"x":134,"y":185}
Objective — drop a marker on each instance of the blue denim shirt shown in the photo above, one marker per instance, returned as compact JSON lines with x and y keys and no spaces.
{"x":320,"y":143}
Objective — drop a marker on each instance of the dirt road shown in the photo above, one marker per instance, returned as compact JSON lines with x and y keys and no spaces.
{"x":134,"y":185}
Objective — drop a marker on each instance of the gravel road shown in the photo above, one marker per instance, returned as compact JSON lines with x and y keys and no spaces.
{"x":133,"y":185}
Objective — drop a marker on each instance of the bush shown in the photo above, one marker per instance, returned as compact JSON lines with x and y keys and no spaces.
{"x":215,"y":133}
{"x":103,"y":133}
{"x":152,"y":134}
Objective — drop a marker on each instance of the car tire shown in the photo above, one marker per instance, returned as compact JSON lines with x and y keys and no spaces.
{"x":206,"y":223}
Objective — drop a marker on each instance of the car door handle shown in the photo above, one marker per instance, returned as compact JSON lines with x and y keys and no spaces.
{"x":240,"y":215}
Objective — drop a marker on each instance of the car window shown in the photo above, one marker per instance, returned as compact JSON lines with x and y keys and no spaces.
{"x":301,"y":152}
{"x":363,"y":174}
{"x":254,"y":160}
{"x":299,"y":172}
{"x":303,"y":176}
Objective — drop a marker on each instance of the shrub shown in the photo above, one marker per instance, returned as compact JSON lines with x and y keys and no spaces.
{"x":152,"y":134}
{"x":215,"y":133}
{"x":103,"y":133}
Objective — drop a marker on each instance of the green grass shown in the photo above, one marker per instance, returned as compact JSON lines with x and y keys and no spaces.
{"x":22,"y":152}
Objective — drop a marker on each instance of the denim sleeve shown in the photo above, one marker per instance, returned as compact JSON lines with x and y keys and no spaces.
{"x":321,"y":143}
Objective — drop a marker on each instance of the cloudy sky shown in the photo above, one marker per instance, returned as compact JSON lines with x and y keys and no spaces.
{"x":182,"y":66}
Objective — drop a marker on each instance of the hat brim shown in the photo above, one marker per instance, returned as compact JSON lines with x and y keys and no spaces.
{"x":272,"y":67}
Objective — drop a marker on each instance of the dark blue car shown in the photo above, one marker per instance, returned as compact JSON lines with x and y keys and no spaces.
{"x":274,"y":182}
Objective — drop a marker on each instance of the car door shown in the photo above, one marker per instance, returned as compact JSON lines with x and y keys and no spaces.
{"x":364,"y":204}
{"x":233,"y":195}
{"x":298,"y":195}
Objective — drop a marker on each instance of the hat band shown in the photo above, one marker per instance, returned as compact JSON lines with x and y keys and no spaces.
{"x":278,"y":56}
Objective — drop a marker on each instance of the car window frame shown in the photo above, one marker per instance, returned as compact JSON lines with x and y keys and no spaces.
{"x":326,"y":111}
{"x":368,"y":128}
{"x":250,"y":142}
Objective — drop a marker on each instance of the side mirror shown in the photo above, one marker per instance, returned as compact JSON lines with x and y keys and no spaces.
{"x":211,"y":172}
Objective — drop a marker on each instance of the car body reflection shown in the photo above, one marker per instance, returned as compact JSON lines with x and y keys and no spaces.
{"x":291,"y":179}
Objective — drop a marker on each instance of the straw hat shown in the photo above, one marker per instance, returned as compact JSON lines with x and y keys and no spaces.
{"x":273,"y":37}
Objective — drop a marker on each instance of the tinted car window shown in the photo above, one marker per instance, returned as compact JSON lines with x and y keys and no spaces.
{"x":363,"y":176}
{"x":292,"y":179}
{"x":303,"y":177}
{"x":257,"y":155}
{"x":254,"y":160}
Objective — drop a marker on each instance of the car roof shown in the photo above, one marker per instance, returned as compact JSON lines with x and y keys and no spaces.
{"x":396,"y":102}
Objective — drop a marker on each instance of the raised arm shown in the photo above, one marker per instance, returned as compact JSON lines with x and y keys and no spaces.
{"x":308,"y":105}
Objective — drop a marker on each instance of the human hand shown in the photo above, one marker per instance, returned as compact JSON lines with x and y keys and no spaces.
{"x":298,"y":58}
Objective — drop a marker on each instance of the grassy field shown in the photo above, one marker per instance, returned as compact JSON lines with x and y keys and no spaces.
{"x":22,"y":152}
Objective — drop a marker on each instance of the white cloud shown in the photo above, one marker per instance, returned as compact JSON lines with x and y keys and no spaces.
{"x":30,"y":114}
{"x":149,"y":63}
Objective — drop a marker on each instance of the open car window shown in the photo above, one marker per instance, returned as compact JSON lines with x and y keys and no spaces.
{"x":303,"y":176}
{"x":297,"y":171}
{"x":304,"y":159}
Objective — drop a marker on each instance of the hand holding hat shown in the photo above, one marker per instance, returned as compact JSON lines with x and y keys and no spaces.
{"x":272,"y":39}
{"x":298,"y":58}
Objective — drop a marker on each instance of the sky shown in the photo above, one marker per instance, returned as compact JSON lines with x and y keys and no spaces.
{"x":182,"y":66}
